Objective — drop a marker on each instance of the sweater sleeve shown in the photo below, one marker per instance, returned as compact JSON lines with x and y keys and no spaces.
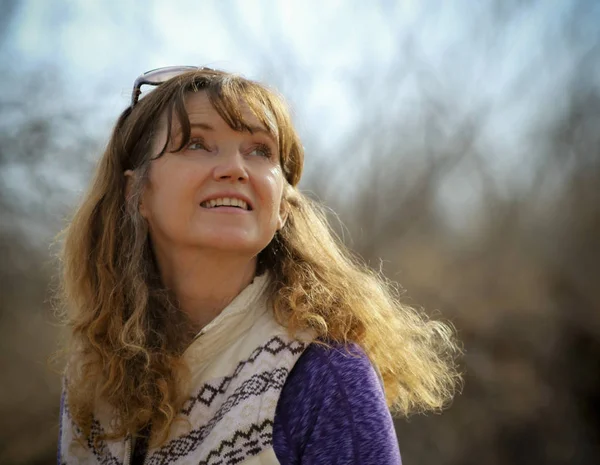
{"x":60,"y":427}
{"x":332,"y":411}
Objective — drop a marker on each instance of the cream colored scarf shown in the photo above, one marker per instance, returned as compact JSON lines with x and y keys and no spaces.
{"x":239,"y":364}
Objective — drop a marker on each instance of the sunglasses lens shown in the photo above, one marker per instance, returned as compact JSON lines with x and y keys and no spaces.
{"x":160,"y":75}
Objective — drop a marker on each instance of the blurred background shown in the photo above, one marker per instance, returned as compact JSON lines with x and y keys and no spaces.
{"x":457,"y":141}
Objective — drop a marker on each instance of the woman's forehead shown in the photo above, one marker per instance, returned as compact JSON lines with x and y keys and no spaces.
{"x":198,"y":106}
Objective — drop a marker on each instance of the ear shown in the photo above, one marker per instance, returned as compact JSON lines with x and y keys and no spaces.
{"x":129,"y":179}
{"x":283,"y":214}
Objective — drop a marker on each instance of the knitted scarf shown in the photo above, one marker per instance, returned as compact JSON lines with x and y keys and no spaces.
{"x":239,"y":364}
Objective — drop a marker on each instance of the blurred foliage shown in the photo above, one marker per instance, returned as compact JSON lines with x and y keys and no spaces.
{"x":515,"y":268}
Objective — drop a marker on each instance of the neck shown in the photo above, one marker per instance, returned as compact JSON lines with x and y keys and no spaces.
{"x":205,"y":282}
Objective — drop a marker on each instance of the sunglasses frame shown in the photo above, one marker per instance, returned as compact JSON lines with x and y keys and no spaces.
{"x":153,"y":78}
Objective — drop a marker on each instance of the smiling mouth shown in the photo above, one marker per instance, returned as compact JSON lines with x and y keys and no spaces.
{"x":226,"y":202}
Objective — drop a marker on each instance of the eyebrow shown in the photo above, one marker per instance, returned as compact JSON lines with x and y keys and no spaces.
{"x":253,"y":129}
{"x":208,"y":127}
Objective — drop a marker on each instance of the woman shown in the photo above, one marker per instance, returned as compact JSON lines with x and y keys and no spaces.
{"x":214,"y":317}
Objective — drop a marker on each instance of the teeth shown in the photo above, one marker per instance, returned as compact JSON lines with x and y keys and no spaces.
{"x":226,"y":202}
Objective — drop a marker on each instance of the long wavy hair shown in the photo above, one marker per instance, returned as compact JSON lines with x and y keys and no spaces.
{"x":127,"y":335}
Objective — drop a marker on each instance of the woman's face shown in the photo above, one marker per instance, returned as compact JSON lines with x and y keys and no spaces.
{"x":222,"y":191}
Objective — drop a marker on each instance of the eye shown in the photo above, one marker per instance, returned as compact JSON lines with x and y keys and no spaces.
{"x":197,"y":144}
{"x":261,"y":150}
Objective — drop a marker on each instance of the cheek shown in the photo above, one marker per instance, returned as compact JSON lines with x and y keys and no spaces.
{"x":273,"y":192}
{"x":169,"y":193}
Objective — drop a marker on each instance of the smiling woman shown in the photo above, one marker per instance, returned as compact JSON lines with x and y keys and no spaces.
{"x":220,"y":165}
{"x":214,"y":316}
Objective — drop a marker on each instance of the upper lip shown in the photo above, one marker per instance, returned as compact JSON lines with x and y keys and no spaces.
{"x":230,"y":195}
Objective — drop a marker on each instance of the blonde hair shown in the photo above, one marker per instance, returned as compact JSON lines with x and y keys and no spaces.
{"x":125,"y":341}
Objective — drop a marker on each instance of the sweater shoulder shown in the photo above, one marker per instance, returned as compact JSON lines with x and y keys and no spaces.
{"x":332,"y":396}
{"x":332,"y":364}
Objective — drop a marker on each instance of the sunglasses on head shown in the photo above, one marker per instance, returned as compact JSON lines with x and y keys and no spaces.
{"x":156,"y":77}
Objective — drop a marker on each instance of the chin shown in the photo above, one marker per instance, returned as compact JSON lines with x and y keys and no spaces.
{"x":229,"y":242}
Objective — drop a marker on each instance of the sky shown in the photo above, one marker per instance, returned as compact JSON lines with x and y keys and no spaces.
{"x":313,"y":47}
{"x":328,"y":58}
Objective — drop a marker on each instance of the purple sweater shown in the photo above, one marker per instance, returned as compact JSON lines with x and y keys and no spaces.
{"x":331,"y":411}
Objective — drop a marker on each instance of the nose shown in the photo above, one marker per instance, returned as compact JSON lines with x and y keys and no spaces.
{"x":230,"y":166}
